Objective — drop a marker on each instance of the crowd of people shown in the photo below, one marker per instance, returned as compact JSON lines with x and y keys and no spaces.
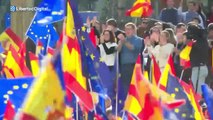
{"x":167,"y":35}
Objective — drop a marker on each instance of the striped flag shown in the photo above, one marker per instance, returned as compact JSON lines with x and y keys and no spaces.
{"x":138,"y":101}
{"x":34,"y":64}
{"x":9,"y":111}
{"x":185,"y":55}
{"x":189,"y":90}
{"x":169,"y":69}
{"x":72,"y":64}
{"x":15,"y":65}
{"x":8,"y":37}
{"x":156,"y":73}
{"x":140,"y":8}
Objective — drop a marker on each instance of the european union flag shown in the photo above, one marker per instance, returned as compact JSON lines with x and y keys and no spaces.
{"x":50,"y":11}
{"x":99,"y":65}
{"x":208,"y":96}
{"x":14,"y":90}
{"x":45,"y":33}
{"x":7,"y":19}
{"x":186,"y":111}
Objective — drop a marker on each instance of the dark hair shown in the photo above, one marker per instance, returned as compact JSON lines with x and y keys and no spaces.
{"x":195,"y":32}
{"x":210,"y":27}
{"x":196,"y":18}
{"x":179,"y":25}
{"x":112,"y":36}
{"x":192,"y":2}
{"x":112,"y":22}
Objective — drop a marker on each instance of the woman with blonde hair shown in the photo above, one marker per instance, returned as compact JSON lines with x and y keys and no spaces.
{"x":172,"y":38}
{"x":162,"y":51}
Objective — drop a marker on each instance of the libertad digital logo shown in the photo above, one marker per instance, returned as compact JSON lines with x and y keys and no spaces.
{"x":21,"y":9}
{"x":12,"y":8}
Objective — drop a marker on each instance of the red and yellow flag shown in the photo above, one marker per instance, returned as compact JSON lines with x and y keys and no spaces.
{"x":140,"y":97}
{"x":8,"y":37}
{"x":198,"y":114}
{"x":140,"y":8}
{"x":34,"y":64}
{"x":156,"y":73}
{"x":71,"y":60}
{"x":169,"y":69}
{"x":9,"y":111}
{"x":185,"y":55}
{"x":15,"y":65}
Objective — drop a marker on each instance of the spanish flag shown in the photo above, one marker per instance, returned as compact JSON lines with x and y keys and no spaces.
{"x":156,"y":73}
{"x":8,"y":37}
{"x":169,"y":69}
{"x":46,"y":97}
{"x":15,"y":65}
{"x":140,"y":100}
{"x":71,"y":59}
{"x":189,"y":90}
{"x":34,"y":64}
{"x":185,"y":55}
{"x":140,"y":8}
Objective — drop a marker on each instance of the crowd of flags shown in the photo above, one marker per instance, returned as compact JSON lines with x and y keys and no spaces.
{"x":69,"y":80}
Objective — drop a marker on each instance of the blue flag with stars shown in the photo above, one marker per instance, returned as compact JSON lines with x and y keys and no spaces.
{"x":208,"y":97}
{"x":45,"y":33}
{"x":50,"y":11}
{"x":186,"y":111}
{"x":14,"y":90}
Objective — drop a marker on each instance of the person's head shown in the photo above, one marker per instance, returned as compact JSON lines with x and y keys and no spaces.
{"x":108,"y":36}
{"x":144,"y":23}
{"x":180,"y":28}
{"x":170,"y":3}
{"x":130,"y":29}
{"x":164,"y":38}
{"x":191,"y":6}
{"x":154,"y":34}
{"x":111,"y":24}
{"x":171,"y":39}
{"x":146,"y":37}
{"x":195,"y":32}
{"x":196,"y":21}
{"x":184,"y":40}
{"x":159,"y":25}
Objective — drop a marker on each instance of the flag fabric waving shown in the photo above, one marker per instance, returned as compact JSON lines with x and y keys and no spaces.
{"x":156,"y":73}
{"x":14,"y":65}
{"x":48,"y":90}
{"x":139,"y":97}
{"x":208,"y":96}
{"x":8,"y":37}
{"x":15,"y":91}
{"x":185,"y":55}
{"x":174,"y":88}
{"x":140,"y":8}
{"x":53,"y":11}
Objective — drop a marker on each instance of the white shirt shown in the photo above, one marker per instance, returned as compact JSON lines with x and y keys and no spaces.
{"x":110,"y":58}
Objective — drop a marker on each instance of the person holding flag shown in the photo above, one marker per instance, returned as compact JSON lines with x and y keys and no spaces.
{"x":198,"y":56}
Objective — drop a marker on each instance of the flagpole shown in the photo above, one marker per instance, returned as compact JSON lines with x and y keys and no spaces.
{"x":123,"y":115}
{"x":117,"y":76}
{"x":90,"y":86}
{"x":181,"y":75}
{"x":76,"y":105}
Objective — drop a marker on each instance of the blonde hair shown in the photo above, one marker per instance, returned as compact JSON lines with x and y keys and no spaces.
{"x":167,"y":35}
{"x":131,"y":24}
